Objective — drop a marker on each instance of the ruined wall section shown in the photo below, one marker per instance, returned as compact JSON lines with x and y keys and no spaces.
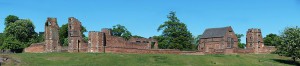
{"x":52,"y":36}
{"x":96,"y":39}
{"x":254,"y":40}
{"x":75,"y":38}
{"x":95,"y":43}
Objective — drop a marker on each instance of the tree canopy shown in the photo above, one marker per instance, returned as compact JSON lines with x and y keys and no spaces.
{"x":18,"y":33}
{"x":290,"y":44}
{"x":240,"y":44}
{"x":121,"y":31}
{"x":63,"y":34}
{"x":10,"y":19}
{"x":175,"y":34}
{"x":272,"y":40}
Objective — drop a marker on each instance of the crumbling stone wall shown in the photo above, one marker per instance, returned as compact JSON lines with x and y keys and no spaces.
{"x":97,"y":39}
{"x":51,"y":35}
{"x":95,"y":42}
{"x":51,"y":43}
{"x":224,"y":44}
{"x":36,"y":48}
{"x":75,"y":38}
{"x":254,"y":40}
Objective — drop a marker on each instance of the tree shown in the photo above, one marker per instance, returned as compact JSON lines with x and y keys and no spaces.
{"x":290,"y":44}
{"x":63,"y":34}
{"x":22,"y":30}
{"x":10,"y":19}
{"x":271,"y":40}
{"x":18,"y":33}
{"x":13,"y":44}
{"x":41,"y":37}
{"x":2,"y":37}
{"x":175,"y":34}
{"x":196,"y":39}
{"x":240,"y":44}
{"x":121,"y":31}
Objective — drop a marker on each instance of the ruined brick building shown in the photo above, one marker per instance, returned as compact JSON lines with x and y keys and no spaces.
{"x":75,"y":38}
{"x":52,"y":36}
{"x":213,"y":41}
{"x":51,"y":43}
{"x":76,"y":42}
{"x":97,"y":41}
{"x":224,"y":41}
{"x":254,"y":41}
{"x":218,"y":40}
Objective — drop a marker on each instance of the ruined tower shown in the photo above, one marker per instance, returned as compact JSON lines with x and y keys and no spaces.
{"x":254,"y":39}
{"x":75,"y":38}
{"x":51,"y":35}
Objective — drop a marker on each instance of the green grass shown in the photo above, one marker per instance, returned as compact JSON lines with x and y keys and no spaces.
{"x":100,"y":59}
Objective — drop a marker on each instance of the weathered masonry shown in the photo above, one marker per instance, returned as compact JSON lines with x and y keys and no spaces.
{"x":97,"y":41}
{"x":51,"y":43}
{"x":213,"y":41}
{"x":218,"y":40}
{"x":75,"y":38}
{"x":255,"y":41}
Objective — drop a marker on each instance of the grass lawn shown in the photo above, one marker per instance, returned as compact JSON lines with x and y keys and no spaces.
{"x":100,"y":59}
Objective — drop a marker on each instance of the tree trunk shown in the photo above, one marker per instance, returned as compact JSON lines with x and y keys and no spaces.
{"x":294,"y":59}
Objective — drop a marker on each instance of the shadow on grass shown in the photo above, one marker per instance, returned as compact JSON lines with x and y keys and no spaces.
{"x":290,"y":62}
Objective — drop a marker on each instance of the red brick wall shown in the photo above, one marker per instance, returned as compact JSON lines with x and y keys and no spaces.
{"x":75,"y":39}
{"x":35,"y":48}
{"x":52,"y":43}
{"x":96,"y":40}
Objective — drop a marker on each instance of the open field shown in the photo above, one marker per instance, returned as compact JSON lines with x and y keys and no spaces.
{"x":101,"y":59}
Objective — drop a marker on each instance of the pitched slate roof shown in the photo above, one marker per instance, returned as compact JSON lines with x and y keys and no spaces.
{"x":215,"y":32}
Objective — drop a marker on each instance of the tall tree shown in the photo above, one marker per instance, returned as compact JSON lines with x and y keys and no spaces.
{"x":271,"y":40}
{"x":240,"y":44}
{"x":63,"y":34}
{"x":196,"y":39}
{"x":290,"y":44}
{"x":175,"y":34}
{"x":121,"y":31}
{"x":19,"y":33}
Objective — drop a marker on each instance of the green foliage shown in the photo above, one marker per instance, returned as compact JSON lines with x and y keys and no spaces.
{"x":2,"y":37}
{"x":22,"y":29}
{"x":272,"y":40}
{"x":10,"y":19}
{"x":240,"y":44}
{"x":175,"y":34}
{"x":65,"y":42}
{"x":12,"y":43}
{"x":85,"y":39}
{"x":121,"y":31}
{"x":196,"y":39}
{"x":19,"y":33}
{"x":83,"y":29}
{"x":290,"y":44}
{"x":63,"y":34}
{"x":40,"y":37}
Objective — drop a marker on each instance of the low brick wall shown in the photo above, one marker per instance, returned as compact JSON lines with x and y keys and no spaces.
{"x":35,"y":48}
{"x":141,"y":51}
{"x":244,"y":51}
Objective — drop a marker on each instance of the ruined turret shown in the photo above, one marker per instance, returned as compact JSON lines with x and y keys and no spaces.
{"x":51,"y":35}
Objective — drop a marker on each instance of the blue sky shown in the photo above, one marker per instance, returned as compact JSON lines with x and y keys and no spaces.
{"x":142,"y":17}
